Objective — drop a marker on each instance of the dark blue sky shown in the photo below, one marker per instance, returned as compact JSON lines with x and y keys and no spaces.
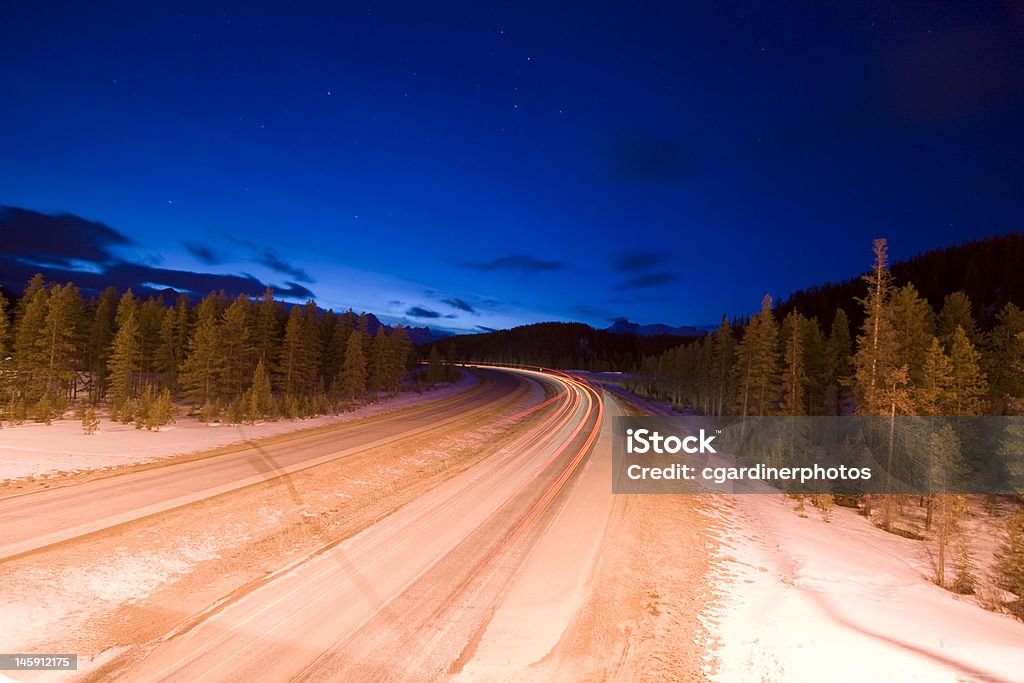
{"x":490,"y":164}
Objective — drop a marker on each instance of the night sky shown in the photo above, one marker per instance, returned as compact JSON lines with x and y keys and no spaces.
{"x":471,"y":164}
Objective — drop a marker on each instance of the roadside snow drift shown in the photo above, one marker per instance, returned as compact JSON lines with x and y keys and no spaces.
{"x":803,"y":600}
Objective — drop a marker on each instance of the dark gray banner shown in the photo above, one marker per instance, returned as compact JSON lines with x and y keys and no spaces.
{"x":843,"y":455}
{"x":38,"y":662}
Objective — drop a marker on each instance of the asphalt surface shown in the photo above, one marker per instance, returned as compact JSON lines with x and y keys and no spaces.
{"x":347,"y":614}
{"x":42,"y":518}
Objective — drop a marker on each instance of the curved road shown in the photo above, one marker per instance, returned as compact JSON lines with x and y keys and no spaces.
{"x":38,"y":519}
{"x":372,"y":607}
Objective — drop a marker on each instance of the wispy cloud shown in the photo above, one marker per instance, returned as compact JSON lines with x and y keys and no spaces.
{"x":274,"y":262}
{"x":588,"y":311}
{"x":519,"y":262}
{"x":459,"y":304}
{"x":65,"y":247}
{"x":637,"y":261}
{"x":421,"y":312}
{"x":645,"y":160}
{"x":203,"y":252}
{"x":59,"y":239}
{"x":646,"y":281}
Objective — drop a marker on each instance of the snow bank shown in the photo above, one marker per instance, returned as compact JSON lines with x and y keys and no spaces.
{"x":802,"y":600}
{"x":32,"y":450}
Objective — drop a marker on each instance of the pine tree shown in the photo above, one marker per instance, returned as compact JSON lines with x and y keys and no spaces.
{"x":318,"y":404}
{"x":1011,"y":448}
{"x":4,"y":328}
{"x":174,"y":341}
{"x":329,"y":358}
{"x":128,"y":304}
{"x":914,"y":324}
{"x":824,"y":502}
{"x":238,"y":357}
{"x":30,"y":360}
{"x":90,"y":423}
{"x":723,"y":358}
{"x":694,"y":373}
{"x":965,"y":581}
{"x":312,"y":349}
{"x":352,"y":376}
{"x":967,"y":383}
{"x":293,"y":368}
{"x":1009,"y":569}
{"x":4,"y":364}
{"x":794,"y":374}
{"x":35,"y":284}
{"x":125,"y":363}
{"x":334,"y":351}
{"x":259,"y":401}
{"x":16,"y":410}
{"x":956,"y":312}
{"x":816,"y":366}
{"x":398,"y":352}
{"x":756,"y":365}
{"x":99,"y":341}
{"x":168,"y":358}
{"x":142,"y":407}
{"x":267,"y":332}
{"x":839,"y":362}
{"x":435,"y":367}
{"x":203,"y":359}
{"x":1004,"y":361}
{"x":161,"y":410}
{"x":150,"y":316}
{"x":377,"y":362}
{"x":43,"y":410}
{"x":57,"y":346}
{"x":882,"y":383}
{"x":946,"y":468}
{"x":932,"y":393}
{"x":292,"y":407}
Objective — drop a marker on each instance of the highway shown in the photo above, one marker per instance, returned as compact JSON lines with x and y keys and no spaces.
{"x":42,"y":518}
{"x":402,"y":599}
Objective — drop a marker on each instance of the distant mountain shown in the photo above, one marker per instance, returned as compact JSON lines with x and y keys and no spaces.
{"x":623,"y":326}
{"x":417,"y":335}
{"x":425,"y":335}
{"x":557,"y":345}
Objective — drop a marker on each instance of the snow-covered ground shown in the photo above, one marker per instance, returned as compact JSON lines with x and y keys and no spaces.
{"x":799,"y":599}
{"x":46,"y":605}
{"x":33,"y":450}
{"x":88,"y":590}
{"x":649,"y":407}
{"x":805,"y":600}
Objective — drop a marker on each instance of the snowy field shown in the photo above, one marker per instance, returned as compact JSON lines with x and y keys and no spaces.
{"x":38,"y":450}
{"x":800,"y":599}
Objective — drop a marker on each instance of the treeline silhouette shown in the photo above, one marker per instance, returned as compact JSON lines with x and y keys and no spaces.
{"x":557,"y":345}
{"x":239,"y":358}
{"x":990,"y":272}
{"x":905,"y":356}
{"x":983,"y":275}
